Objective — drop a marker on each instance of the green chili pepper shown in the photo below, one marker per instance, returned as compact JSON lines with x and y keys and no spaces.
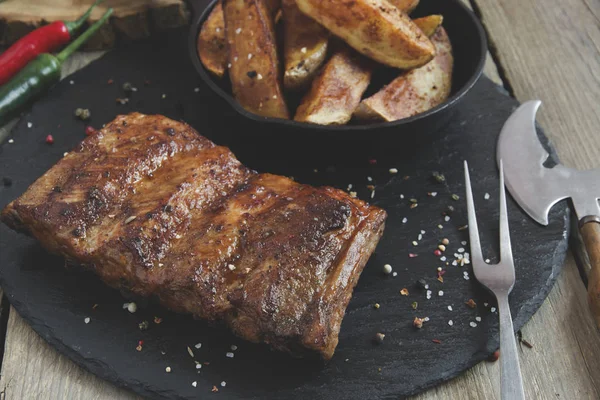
{"x":39,"y":75}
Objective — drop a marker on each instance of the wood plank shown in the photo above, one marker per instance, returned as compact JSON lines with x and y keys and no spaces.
{"x":550,"y":50}
{"x":132,"y":19}
{"x":31,"y":369}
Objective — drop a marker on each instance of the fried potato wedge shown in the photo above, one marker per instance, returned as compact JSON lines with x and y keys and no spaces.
{"x":405,"y":5}
{"x":337,"y":90}
{"x":211,"y":45}
{"x":305,"y":46}
{"x":374,"y":28}
{"x":254,"y":71}
{"x":429,"y":24}
{"x":415,"y":91}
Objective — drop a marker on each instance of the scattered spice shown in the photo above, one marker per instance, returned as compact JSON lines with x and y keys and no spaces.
{"x":393,"y":171}
{"x":110,"y":81}
{"x":455,"y":197}
{"x":387,"y":269}
{"x":143,"y":325}
{"x":194,"y":384}
{"x":494,"y":356}
{"x":441,"y":247}
{"x":157,"y":320}
{"x":404,"y":292}
{"x":376,"y":306}
{"x":131,"y":307}
{"x":140,"y":346}
{"x":49,"y":139}
{"x":214,"y":389}
{"x":94,"y":306}
{"x":89,"y":130}
{"x":87,"y":320}
{"x":414,"y":205}
{"x":436,"y":341}
{"x":437,"y":253}
{"x":130,"y":219}
{"x":422,"y":284}
{"x":168,"y":369}
{"x":439,"y":178}
{"x":190,"y":352}
{"x":414,"y":305}
{"x":445,"y":242}
{"x":378,"y":339}
{"x":412,"y":255}
{"x":128,"y":87}
{"x":471,"y":303}
{"x":418,"y":322}
{"x":464,"y":227}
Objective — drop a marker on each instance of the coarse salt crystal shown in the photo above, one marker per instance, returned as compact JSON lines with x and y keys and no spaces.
{"x":485,"y":304}
{"x":441,"y":293}
{"x":454,"y":263}
{"x":487,"y":260}
{"x":450,"y":323}
{"x":223,"y":384}
{"x":493,"y":309}
{"x":196,"y":89}
{"x":426,"y":319}
{"x":369,"y":179}
{"x":394,"y":274}
{"x":250,"y":56}
{"x":420,"y":236}
{"x":132,"y":307}
{"x":433,"y":194}
{"x":231,"y":267}
{"x":87,"y":320}
{"x":229,"y":354}
{"x":422,"y":232}
{"x":29,"y":124}
{"x":414,"y":243}
{"x":168,"y":369}
{"x":303,"y":50}
{"x":238,"y":31}
{"x":259,"y":77}
{"x":427,"y":287}
{"x":461,"y":250}
{"x":486,"y":196}
{"x":198,"y":366}
{"x":198,"y":345}
{"x":393,"y":171}
{"x":234,"y":347}
{"x":443,"y":258}
{"x":229,"y":65}
{"x":464,"y":242}
{"x":11,"y":141}
{"x":404,"y":220}
{"x":449,"y":308}
{"x":478,"y":319}
{"x":473,"y":324}
{"x":401,"y":196}
{"x":71,"y":82}
{"x":447,"y":218}
{"x":194,"y":384}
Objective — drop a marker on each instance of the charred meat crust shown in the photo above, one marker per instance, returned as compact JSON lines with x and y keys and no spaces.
{"x":155,"y":209}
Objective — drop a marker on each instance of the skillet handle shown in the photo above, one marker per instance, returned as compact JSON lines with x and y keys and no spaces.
{"x":590,"y":232}
{"x":198,"y":6}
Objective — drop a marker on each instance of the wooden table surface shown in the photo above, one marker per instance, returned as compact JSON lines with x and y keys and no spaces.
{"x":540,"y":49}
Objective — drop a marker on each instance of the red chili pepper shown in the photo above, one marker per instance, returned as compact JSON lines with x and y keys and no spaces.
{"x":42,"y":40}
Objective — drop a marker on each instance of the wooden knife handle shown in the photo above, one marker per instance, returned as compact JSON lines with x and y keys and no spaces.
{"x":590,"y":232}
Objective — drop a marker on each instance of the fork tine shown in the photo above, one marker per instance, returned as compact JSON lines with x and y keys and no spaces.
{"x":476,"y":256}
{"x":505,"y":246}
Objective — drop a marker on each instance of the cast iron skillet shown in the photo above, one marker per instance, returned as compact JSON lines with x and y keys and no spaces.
{"x":469,"y":46}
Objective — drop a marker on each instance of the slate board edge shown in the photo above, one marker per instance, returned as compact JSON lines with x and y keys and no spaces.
{"x":104,"y":370}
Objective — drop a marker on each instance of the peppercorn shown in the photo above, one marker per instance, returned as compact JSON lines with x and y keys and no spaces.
{"x":378,"y":339}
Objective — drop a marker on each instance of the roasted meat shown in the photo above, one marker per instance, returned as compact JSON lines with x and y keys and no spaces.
{"x":158,"y":210}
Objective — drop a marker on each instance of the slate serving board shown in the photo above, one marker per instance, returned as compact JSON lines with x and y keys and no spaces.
{"x":56,"y":301}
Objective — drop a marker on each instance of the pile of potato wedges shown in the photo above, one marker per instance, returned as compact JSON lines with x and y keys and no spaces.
{"x":326,"y":52}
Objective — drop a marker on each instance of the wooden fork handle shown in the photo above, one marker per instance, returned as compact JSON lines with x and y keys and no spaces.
{"x":590,"y":232}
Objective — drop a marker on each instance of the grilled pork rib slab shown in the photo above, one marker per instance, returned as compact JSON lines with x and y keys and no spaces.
{"x":158,"y":210}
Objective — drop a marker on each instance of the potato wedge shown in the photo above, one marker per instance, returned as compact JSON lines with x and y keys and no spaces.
{"x":429,"y":24}
{"x":415,"y":91}
{"x":305,"y":46}
{"x":212,"y":47}
{"x":405,"y":5}
{"x":374,"y":28}
{"x":337,"y":90}
{"x":254,"y":71}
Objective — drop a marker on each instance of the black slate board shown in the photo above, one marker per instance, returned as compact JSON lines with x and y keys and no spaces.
{"x":55,"y":301}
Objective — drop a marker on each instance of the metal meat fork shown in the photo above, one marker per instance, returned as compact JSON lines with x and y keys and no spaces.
{"x":499,"y":279}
